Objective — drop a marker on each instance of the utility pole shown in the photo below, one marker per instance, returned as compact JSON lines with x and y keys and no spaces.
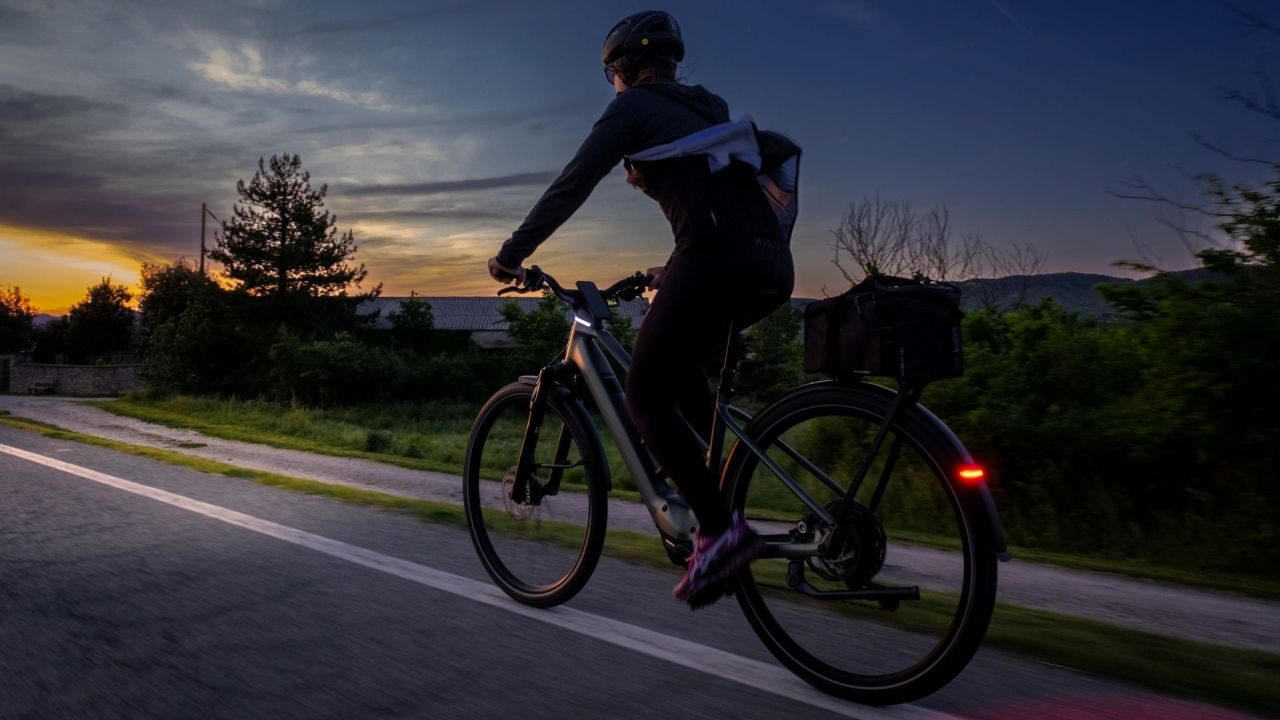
{"x":205,"y":211}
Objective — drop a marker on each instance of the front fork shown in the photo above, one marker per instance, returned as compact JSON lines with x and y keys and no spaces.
{"x":527,"y":489}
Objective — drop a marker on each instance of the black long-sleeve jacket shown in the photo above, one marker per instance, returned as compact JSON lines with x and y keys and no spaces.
{"x":699,"y":205}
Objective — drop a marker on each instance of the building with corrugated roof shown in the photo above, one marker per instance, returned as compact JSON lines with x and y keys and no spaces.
{"x":480,"y":316}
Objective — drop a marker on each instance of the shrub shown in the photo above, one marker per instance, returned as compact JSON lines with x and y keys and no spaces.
{"x":377,"y":441}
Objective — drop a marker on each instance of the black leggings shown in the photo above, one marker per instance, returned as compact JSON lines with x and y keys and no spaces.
{"x":684,"y":335}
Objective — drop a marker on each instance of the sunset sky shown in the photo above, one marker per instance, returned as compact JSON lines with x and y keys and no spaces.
{"x":436,"y":125}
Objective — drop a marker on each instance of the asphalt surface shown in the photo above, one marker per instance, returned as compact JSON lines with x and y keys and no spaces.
{"x":1196,"y":614}
{"x":119,"y":605}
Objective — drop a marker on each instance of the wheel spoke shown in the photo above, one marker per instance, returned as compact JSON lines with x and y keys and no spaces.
{"x":885,"y":605}
{"x":542,"y":551}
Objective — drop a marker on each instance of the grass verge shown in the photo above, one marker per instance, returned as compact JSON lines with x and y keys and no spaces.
{"x":1248,"y":680}
{"x":339,"y":434}
{"x":432,"y":437}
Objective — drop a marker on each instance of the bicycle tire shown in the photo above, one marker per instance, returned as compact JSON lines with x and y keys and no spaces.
{"x":971,"y":603}
{"x":564,"y":552}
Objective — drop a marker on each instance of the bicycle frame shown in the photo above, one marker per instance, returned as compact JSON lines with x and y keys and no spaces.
{"x":586,"y":357}
{"x":837,"y":527}
{"x":586,"y":353}
{"x":587,"y":361}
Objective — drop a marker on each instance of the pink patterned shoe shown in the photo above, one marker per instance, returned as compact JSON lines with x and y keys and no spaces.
{"x":715,"y":559}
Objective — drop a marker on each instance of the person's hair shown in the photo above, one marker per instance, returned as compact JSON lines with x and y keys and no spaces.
{"x":657,"y":66}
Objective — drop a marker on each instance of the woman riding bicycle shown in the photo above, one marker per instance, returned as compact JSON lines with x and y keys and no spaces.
{"x":731,"y":266}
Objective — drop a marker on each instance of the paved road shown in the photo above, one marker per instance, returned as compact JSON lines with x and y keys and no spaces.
{"x":134,"y":589}
{"x":1212,"y":617}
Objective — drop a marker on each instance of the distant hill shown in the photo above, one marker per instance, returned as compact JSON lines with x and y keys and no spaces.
{"x":42,"y":319}
{"x":1072,"y":290}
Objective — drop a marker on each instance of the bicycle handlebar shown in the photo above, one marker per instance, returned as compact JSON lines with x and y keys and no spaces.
{"x":535,"y":279}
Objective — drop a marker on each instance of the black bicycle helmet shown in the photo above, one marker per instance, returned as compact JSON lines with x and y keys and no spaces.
{"x":642,"y":32}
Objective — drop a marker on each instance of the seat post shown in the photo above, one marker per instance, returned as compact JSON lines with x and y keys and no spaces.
{"x":728,"y":376}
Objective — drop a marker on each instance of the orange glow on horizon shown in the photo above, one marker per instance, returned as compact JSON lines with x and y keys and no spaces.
{"x":54,"y":270}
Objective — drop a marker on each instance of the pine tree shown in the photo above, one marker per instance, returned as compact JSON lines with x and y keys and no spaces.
{"x":281,"y":242}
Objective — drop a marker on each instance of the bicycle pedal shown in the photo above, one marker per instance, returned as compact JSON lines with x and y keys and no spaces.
{"x":679,"y":553}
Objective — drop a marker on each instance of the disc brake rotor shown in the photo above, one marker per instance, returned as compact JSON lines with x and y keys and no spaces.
{"x":855,"y":555}
{"x":517,"y":510}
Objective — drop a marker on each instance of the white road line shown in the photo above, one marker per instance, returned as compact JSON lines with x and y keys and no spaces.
{"x":752,"y":673}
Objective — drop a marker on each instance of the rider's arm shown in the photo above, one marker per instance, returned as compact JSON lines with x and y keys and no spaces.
{"x":603,"y":149}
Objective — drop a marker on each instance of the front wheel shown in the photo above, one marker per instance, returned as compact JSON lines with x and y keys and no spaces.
{"x":914,"y":533}
{"x":540,"y":548}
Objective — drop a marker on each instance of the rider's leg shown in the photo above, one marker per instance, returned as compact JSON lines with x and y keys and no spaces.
{"x":684,"y":331}
{"x":666,"y":375}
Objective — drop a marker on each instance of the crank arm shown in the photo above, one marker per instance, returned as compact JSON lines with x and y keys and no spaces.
{"x":883,"y":595}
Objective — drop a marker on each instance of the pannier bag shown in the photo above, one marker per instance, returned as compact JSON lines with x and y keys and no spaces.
{"x":889,"y":326}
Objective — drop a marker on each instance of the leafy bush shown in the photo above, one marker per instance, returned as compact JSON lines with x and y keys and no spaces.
{"x":377,"y":440}
{"x":346,"y":371}
{"x":775,"y":356}
{"x":212,"y":347}
{"x":539,"y":335}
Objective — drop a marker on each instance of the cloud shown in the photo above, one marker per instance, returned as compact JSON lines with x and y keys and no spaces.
{"x":1010,"y":16}
{"x":483,"y":214}
{"x":18,"y":25}
{"x":863,"y":15}
{"x":537,"y":117}
{"x":454,"y":186}
{"x":110,"y":170}
{"x":243,"y":70}
{"x":19,"y":107}
{"x":386,"y":22}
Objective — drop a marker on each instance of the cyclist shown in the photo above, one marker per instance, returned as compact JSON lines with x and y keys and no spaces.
{"x":731,"y":266}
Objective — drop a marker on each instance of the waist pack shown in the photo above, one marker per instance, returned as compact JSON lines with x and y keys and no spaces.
{"x":887,"y":326}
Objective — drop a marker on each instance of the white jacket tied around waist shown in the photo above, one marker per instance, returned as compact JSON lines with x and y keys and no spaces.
{"x":740,"y":140}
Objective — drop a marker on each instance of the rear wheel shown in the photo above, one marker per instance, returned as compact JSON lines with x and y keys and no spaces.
{"x":541,"y":548}
{"x":914,"y":526}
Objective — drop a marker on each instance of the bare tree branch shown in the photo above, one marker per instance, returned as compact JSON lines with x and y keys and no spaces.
{"x":1147,"y":258}
{"x":1262,"y":108}
{"x":876,"y":234}
{"x":1150,"y":194}
{"x":1219,"y":150}
{"x":1025,"y":262}
{"x":891,"y":238}
{"x":1253,"y":20}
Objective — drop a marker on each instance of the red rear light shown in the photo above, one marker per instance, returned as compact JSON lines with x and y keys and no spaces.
{"x":972,"y":474}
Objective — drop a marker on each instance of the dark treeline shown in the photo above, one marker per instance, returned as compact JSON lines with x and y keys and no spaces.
{"x":96,"y":330}
{"x":284,"y":324}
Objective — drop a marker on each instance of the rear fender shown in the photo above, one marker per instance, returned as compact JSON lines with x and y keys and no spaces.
{"x":944,"y":434}
{"x":979,"y":493}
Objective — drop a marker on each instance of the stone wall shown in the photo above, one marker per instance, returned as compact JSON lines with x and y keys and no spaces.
{"x":75,"y":379}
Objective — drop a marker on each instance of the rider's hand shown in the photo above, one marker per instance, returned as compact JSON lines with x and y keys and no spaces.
{"x":657,"y":273}
{"x":504,"y":274}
